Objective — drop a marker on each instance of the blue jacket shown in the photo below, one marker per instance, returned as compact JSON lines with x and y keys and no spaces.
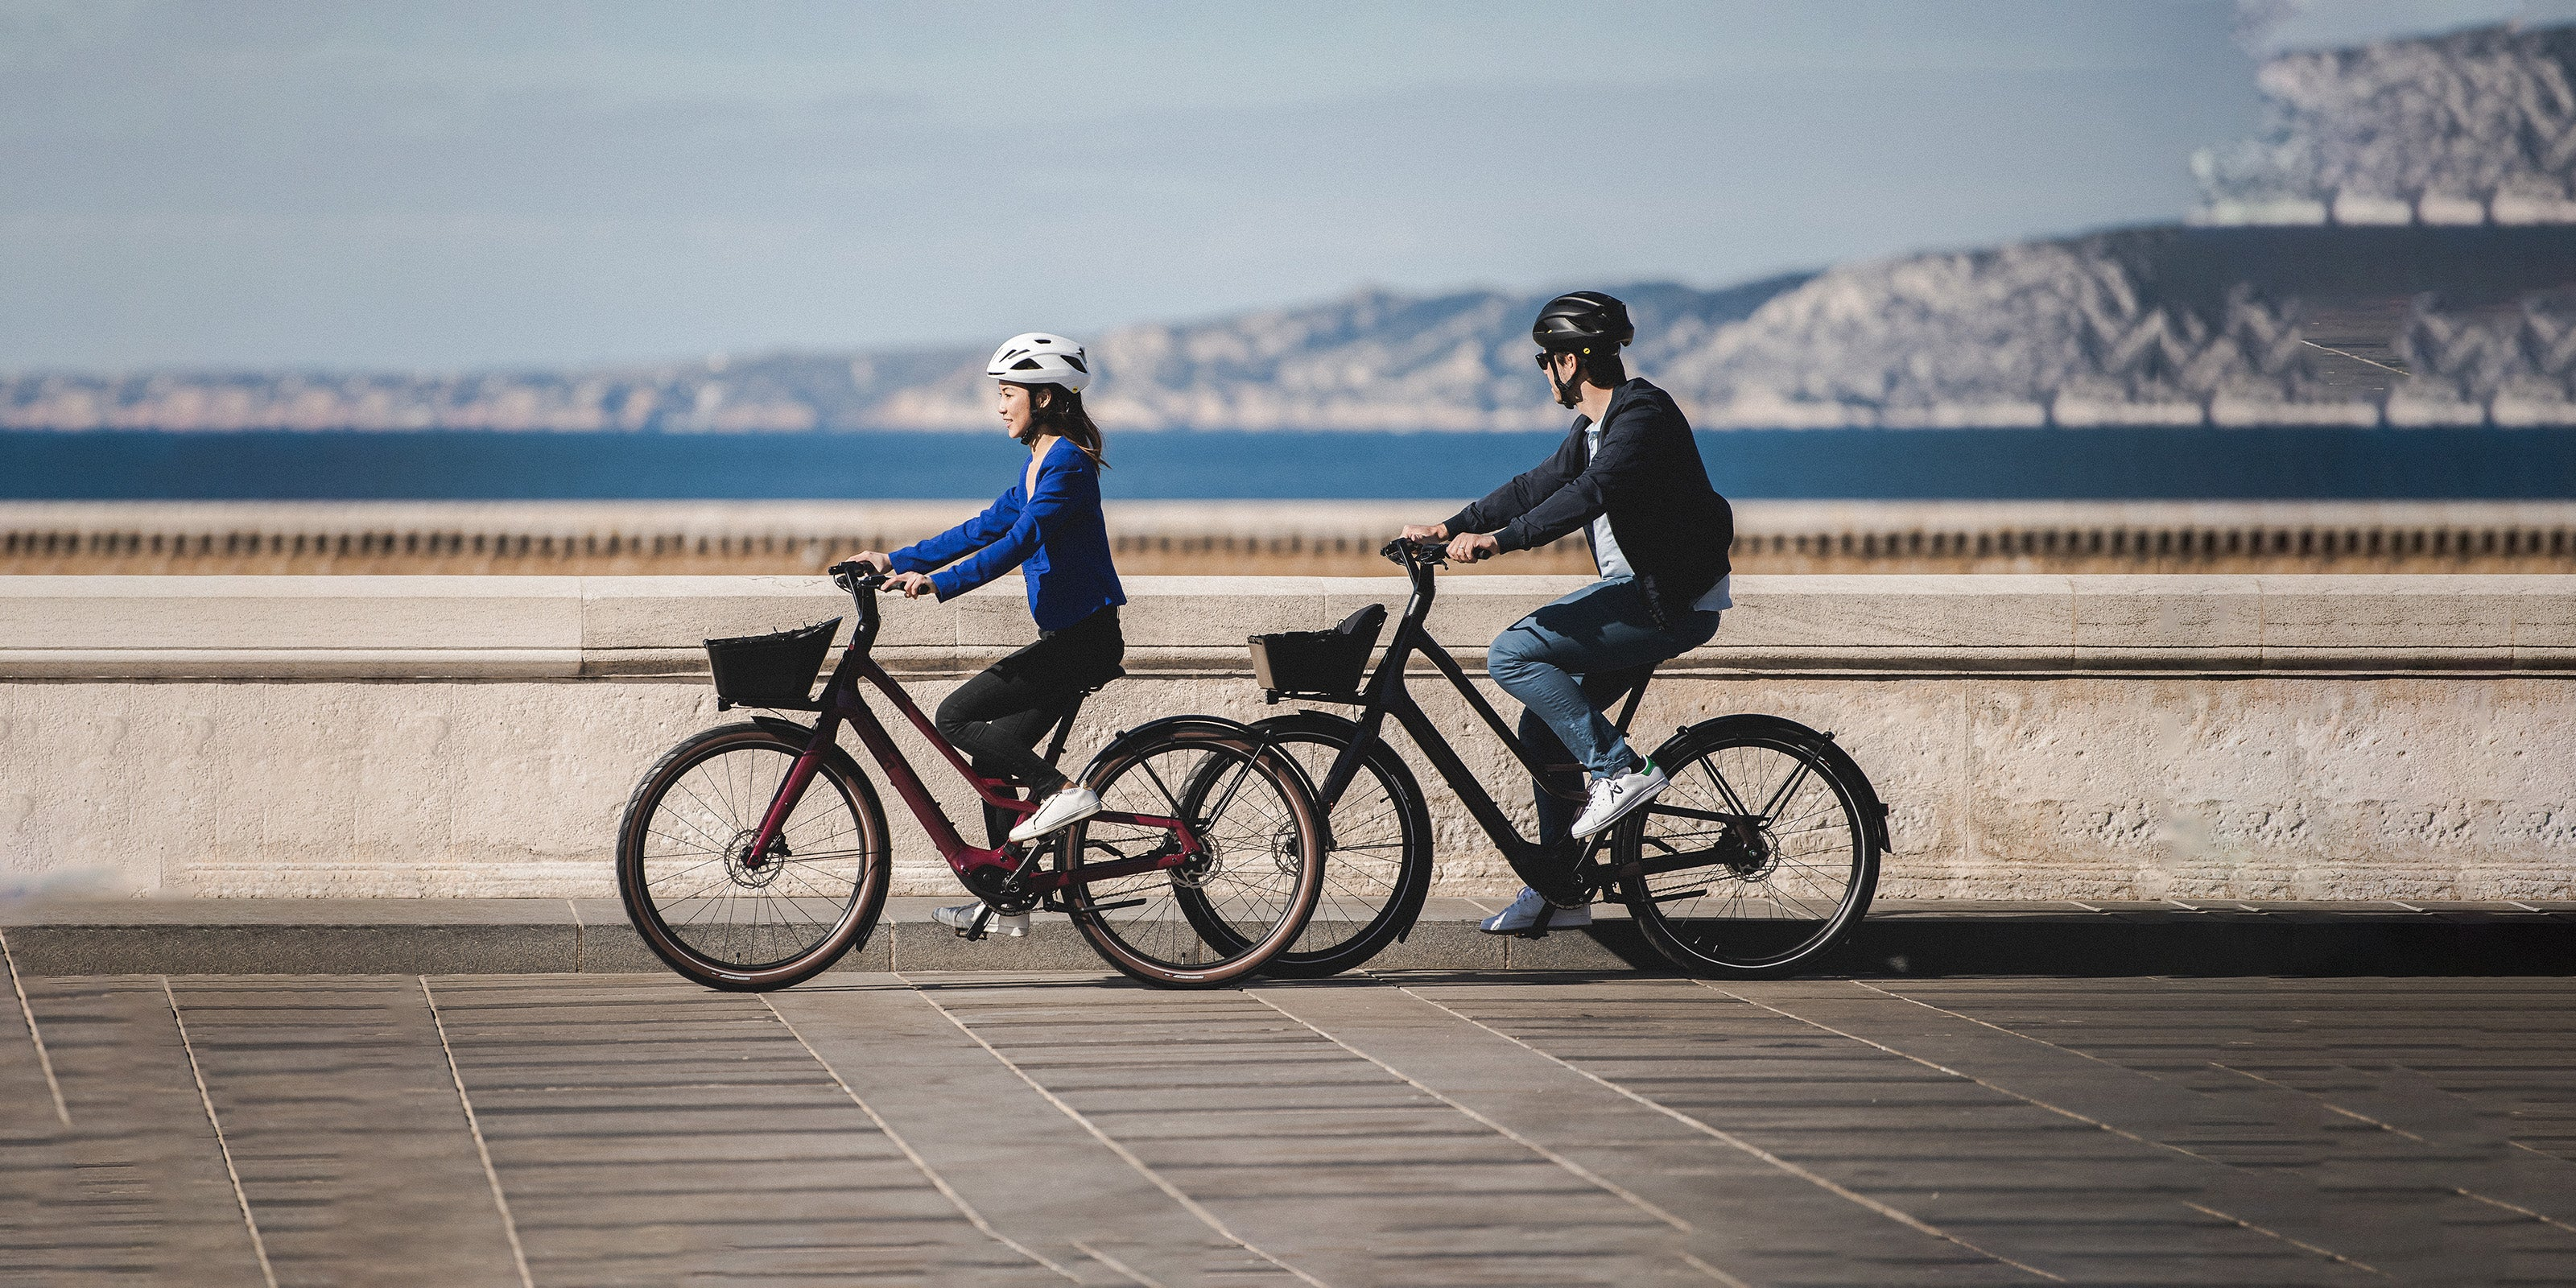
{"x":1057,"y":534}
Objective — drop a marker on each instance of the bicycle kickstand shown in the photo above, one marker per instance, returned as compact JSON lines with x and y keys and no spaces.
{"x":983,"y":917}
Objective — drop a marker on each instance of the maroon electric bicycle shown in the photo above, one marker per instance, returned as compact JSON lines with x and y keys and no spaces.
{"x":754,"y":855}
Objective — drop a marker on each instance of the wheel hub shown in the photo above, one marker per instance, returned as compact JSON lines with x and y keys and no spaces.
{"x":1284,"y":849}
{"x":1754,"y":852}
{"x":748,"y":871}
{"x":1194,"y":870}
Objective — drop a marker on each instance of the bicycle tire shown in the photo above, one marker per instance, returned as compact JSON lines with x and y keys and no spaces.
{"x":1377,"y":870}
{"x":1760,"y":907}
{"x":697,"y":807}
{"x":1265,"y":854}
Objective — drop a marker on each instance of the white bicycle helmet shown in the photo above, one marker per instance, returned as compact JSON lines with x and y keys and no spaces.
{"x":1036,"y":358}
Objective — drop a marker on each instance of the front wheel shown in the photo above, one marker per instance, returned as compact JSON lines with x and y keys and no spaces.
{"x":1259,"y":870}
{"x":1378,"y":869}
{"x":723,"y":916}
{"x":1760,"y":857}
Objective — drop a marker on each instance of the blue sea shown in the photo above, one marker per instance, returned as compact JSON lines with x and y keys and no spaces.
{"x":1967,"y":464}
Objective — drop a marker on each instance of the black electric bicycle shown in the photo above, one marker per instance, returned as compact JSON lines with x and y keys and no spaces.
{"x":1758,"y":860}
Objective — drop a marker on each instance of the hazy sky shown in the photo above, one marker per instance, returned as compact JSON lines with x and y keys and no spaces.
{"x":442,"y":184}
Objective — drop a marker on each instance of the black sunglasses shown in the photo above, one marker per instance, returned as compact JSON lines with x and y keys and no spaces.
{"x":1545,"y":359}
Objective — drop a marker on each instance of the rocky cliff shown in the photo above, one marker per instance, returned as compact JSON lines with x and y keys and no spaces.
{"x":2473,"y":127}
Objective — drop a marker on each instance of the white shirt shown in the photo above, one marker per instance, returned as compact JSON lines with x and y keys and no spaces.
{"x":1613,"y":564}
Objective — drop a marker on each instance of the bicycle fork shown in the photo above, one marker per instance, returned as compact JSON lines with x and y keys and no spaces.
{"x":773,"y":825}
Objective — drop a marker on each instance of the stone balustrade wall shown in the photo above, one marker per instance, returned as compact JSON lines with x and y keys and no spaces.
{"x":2112,"y":737}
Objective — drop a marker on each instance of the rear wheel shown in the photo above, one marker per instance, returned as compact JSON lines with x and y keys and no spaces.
{"x":717,"y":913}
{"x":1258,"y":876}
{"x":1759,"y":858}
{"x":1378,"y":868}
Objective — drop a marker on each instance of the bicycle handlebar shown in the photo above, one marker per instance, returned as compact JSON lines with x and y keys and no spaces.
{"x":1409,"y":551}
{"x":857,"y":578}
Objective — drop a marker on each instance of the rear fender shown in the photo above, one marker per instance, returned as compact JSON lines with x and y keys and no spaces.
{"x":1873,"y":811}
{"x":1151,"y":729}
{"x":1168,"y":725}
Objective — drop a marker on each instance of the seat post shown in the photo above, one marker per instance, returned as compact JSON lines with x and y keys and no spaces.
{"x":1637,"y":694}
{"x":1064,"y":726}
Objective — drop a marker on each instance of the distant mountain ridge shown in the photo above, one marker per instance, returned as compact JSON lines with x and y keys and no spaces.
{"x":1370,"y":360}
{"x":2395,"y":249}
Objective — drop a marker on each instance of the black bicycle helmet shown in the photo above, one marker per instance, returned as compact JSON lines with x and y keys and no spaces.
{"x":1577,"y":321}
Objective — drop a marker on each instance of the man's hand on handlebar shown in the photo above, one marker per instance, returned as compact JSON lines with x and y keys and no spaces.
{"x":914,"y":585}
{"x":1469,"y":547}
{"x":876,"y":559}
{"x":1423,"y":531}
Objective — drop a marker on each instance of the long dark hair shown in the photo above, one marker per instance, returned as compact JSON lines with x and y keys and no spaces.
{"x":1061,"y":414}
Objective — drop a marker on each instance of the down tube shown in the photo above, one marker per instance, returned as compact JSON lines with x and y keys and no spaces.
{"x":1461,"y":779}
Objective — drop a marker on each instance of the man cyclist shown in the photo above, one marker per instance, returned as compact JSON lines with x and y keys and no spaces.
{"x":1629,"y":475}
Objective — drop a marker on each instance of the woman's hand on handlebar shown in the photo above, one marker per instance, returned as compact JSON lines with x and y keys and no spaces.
{"x":1469,"y":547}
{"x":913,"y":585}
{"x":876,"y":559}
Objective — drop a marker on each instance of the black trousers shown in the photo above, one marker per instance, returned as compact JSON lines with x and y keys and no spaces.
{"x":997,"y":717}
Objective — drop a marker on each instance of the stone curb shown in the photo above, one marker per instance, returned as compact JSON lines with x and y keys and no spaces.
{"x":552,"y":936}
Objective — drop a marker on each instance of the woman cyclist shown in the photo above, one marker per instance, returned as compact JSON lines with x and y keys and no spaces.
{"x":1049,"y":525}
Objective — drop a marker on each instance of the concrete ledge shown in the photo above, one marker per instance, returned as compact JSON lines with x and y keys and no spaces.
{"x":535,"y":627}
{"x":1934,"y":937}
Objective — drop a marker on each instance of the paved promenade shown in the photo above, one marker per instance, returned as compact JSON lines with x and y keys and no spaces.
{"x":1412,"y":1127}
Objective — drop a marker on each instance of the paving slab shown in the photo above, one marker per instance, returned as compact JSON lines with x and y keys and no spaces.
{"x":1031,"y":1170}
{"x":1735,"y":1210}
{"x":648,"y":1131}
{"x":1308,"y":1151}
{"x":1425,"y":1127}
{"x":2386,"y":1198}
{"x":137,"y":1187}
{"x":1993,"y":1173}
{"x":375,"y":1182}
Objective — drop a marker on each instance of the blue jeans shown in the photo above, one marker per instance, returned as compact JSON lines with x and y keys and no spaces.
{"x":1568,"y":662}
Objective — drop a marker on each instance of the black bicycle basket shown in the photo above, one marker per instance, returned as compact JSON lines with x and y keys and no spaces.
{"x":1323,"y":665}
{"x":770,"y":670}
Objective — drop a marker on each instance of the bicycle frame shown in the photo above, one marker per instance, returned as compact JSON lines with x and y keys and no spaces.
{"x":843,"y":701}
{"x":1386,"y":694}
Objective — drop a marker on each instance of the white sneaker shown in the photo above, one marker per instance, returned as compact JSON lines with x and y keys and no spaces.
{"x":962,"y":917}
{"x":1064,"y":809}
{"x":1524,"y":912}
{"x":1612,"y":798}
